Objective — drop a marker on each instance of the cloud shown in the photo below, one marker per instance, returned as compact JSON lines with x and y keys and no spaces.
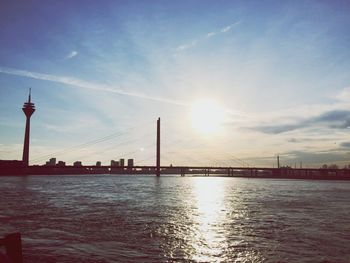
{"x":77,"y":83}
{"x":344,"y":95}
{"x":334,"y":119}
{"x":225,"y":29}
{"x":303,"y":140}
{"x":72,"y":54}
{"x":187,"y":46}
{"x":210,"y":34}
{"x":345,"y":144}
{"x":338,"y":119}
{"x":194,"y":42}
{"x":229,"y":27}
{"x":276,"y":129}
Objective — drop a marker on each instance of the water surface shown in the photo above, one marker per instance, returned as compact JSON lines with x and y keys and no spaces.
{"x":176,"y":219}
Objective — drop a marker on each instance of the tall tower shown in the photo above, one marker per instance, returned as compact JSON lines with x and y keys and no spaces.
{"x":28,"y":109}
{"x":158,"y":148}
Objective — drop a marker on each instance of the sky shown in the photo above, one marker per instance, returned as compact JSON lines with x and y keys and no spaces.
{"x":272,"y":78}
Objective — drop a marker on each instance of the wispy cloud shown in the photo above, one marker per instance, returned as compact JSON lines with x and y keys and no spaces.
{"x":78,"y":83}
{"x":308,"y":139}
{"x":187,"y":46}
{"x":335,"y":119}
{"x":345,"y":145}
{"x":195,"y":42}
{"x":210,"y":34}
{"x":344,"y":95}
{"x":225,"y":29}
{"x":72,"y":54}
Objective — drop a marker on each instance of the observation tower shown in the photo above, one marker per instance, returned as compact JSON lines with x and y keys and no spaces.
{"x":28,"y":109}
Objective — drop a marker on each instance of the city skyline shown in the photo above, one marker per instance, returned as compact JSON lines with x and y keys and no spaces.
{"x":271,"y":78}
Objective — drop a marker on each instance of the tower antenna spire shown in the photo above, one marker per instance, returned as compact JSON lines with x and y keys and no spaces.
{"x":28,"y":109}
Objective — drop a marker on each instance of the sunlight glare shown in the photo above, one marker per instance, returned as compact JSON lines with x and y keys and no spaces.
{"x":209,"y":194}
{"x":207,"y":116}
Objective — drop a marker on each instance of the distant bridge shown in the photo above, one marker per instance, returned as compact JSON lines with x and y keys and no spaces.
{"x":248,"y":172}
{"x":22,"y":167}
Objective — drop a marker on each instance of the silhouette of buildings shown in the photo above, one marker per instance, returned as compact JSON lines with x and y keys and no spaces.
{"x":28,"y":109}
{"x":51,"y":162}
{"x":77,"y":164}
{"x":114,"y":163}
{"x":17,"y":167}
{"x":10,"y":163}
{"x":61,"y":164}
{"x":130,"y":162}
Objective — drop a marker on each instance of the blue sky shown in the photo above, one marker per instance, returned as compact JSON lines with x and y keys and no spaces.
{"x":279,"y":70}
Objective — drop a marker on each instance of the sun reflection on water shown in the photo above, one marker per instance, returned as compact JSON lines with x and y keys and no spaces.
{"x":210,"y":240}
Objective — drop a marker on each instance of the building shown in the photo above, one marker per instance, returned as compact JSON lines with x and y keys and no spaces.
{"x":51,"y":162}
{"x":114,"y":163}
{"x":28,"y":109}
{"x":61,"y":163}
{"x":130,"y":162}
{"x":77,"y":163}
{"x":98,"y":163}
{"x":121,"y":162}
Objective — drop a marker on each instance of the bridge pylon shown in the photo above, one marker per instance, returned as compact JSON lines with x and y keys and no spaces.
{"x":158,"y":149}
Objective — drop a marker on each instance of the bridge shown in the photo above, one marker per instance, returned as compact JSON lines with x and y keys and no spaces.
{"x":23,"y":167}
{"x":228,"y":171}
{"x":206,"y":171}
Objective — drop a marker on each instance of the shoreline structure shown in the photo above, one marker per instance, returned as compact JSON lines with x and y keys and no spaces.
{"x":22,"y":167}
{"x":18,"y":168}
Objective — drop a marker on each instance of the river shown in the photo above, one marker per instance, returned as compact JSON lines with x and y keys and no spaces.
{"x":89,"y":218}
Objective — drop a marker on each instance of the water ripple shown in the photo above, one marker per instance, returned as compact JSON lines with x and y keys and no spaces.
{"x":173,"y":219}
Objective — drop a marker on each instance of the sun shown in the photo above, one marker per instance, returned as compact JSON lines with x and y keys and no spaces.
{"x":207,"y":116}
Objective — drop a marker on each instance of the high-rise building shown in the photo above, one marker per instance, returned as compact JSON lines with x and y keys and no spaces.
{"x":130,"y":162}
{"x":98,"y":163}
{"x":28,"y":109}
{"x":114,"y":163}
{"x":51,"y":162}
{"x":77,"y":163}
{"x":121,"y":162}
